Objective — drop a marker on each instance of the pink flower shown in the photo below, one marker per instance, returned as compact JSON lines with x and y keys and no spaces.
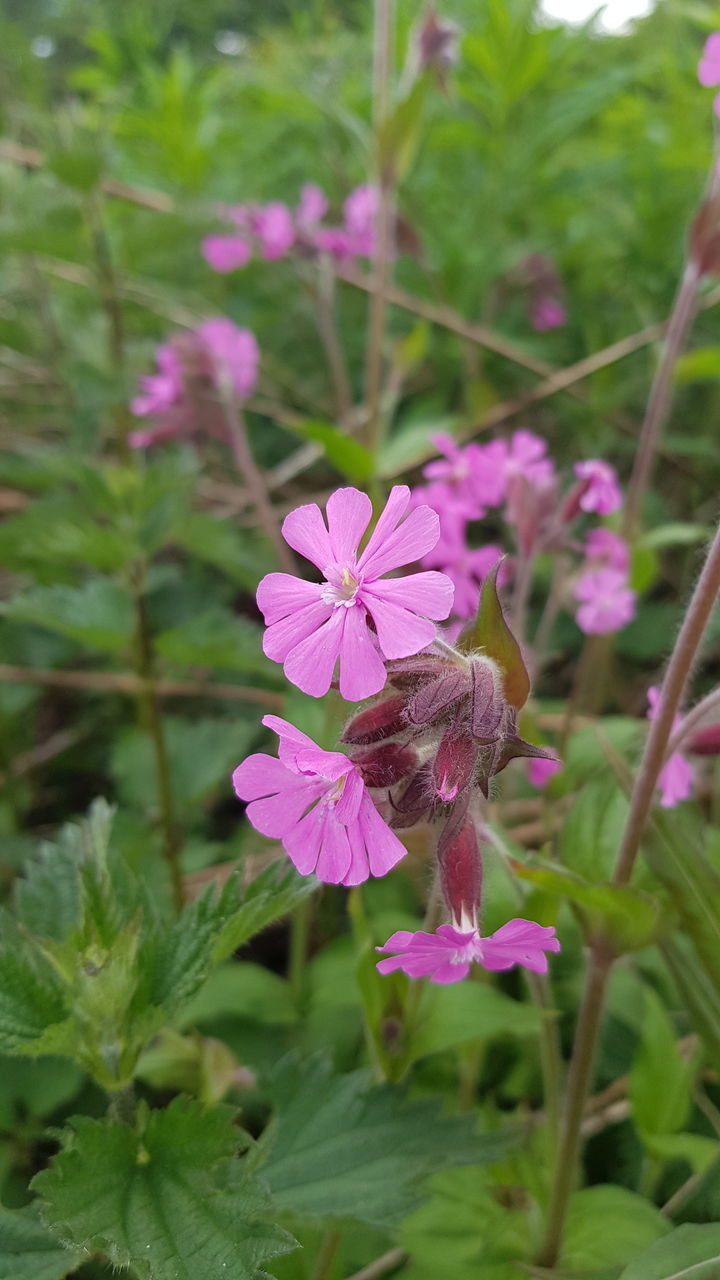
{"x":541,"y":771}
{"x":234,"y":353}
{"x":526,"y":456}
{"x":360,"y":212}
{"x":446,"y":956}
{"x":607,"y":603}
{"x":226,"y":253}
{"x":603,"y":492}
{"x":676,"y":776}
{"x":312,"y":207}
{"x":607,"y":550}
{"x":474,"y":476}
{"x":709,"y":65}
{"x":310,"y":626}
{"x":160,"y":391}
{"x":274,"y":228}
{"x":316,"y":803}
{"x":546,"y":314}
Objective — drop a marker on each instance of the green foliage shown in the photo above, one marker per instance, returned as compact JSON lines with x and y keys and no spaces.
{"x":159,"y":1196}
{"x":692,"y":1252}
{"x":29,"y":1251}
{"x":609,"y":1225}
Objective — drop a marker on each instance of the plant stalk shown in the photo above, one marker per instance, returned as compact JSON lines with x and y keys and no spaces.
{"x":255,"y":482}
{"x":380,"y":283}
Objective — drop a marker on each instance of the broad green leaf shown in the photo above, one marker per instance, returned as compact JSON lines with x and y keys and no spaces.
{"x":399,"y":133}
{"x":98,"y":614}
{"x":31,"y":997}
{"x":454,"y":1015}
{"x":217,"y":639}
{"x":661,"y":1080}
{"x":593,"y":828}
{"x":201,"y":755}
{"x":627,"y":918}
{"x":163,"y":1198}
{"x":491,"y":634}
{"x":466,"y":1232}
{"x":342,"y":1148}
{"x":244,"y":990}
{"x":29,"y":1251}
{"x":609,"y":1224}
{"x":690,"y":1252}
{"x":35,"y":1087}
{"x":238,"y":553}
{"x":350,"y":458}
{"x":80,"y":166}
{"x":676,"y":534}
{"x":700,"y":365}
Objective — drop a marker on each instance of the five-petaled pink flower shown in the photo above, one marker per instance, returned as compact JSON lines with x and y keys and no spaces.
{"x":676,"y":776}
{"x":606,"y":602}
{"x":316,"y":803}
{"x":310,"y":626}
{"x":602,"y":493}
{"x":446,"y":956}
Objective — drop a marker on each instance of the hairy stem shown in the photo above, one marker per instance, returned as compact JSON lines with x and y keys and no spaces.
{"x":255,"y":482}
{"x":377,"y":314}
{"x":694,"y":718}
{"x":660,"y":397}
{"x":152,"y":722}
{"x":678,"y":670}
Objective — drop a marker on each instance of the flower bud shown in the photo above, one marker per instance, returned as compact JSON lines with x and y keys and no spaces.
{"x":460,"y":866}
{"x":387,"y":764}
{"x":453,"y":766}
{"x":415,"y":802}
{"x":382,"y":720}
{"x":437,"y":41}
{"x":488,"y":705}
{"x":704,"y":742}
{"x":434,"y":698}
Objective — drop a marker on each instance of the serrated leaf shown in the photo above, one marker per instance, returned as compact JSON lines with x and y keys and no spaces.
{"x":29,"y":1251}
{"x":491,"y":633}
{"x":31,"y":998}
{"x":270,"y":896}
{"x":466,"y":1011}
{"x":163,"y":1198}
{"x":691,"y":1252}
{"x":98,"y":614}
{"x":340,"y":1147}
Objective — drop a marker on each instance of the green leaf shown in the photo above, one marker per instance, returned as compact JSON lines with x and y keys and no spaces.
{"x":454,"y":1015}
{"x":675,"y":534}
{"x":201,"y":756}
{"x":216,"y":639}
{"x":661,"y":1080}
{"x":410,"y":445}
{"x":341,"y":1148}
{"x":238,"y":553}
{"x":31,"y":998}
{"x":608,"y":1224}
{"x":29,"y":1251}
{"x":243,"y":990}
{"x":399,"y":133}
{"x":700,"y":365}
{"x":35,"y":1087}
{"x":79,"y":167}
{"x":466,"y":1231}
{"x":627,"y":918}
{"x":491,"y":633}
{"x":691,"y":1252}
{"x":270,"y":896}
{"x":163,"y":1199}
{"x":98,"y":614}
{"x":350,"y":458}
{"x":591,"y":834}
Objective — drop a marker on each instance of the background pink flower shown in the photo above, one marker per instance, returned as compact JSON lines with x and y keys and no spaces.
{"x":541,"y":771}
{"x":607,"y":603}
{"x":607,"y":550}
{"x":446,"y":956}
{"x":316,"y":803}
{"x":234,"y":353}
{"x":547,"y":314}
{"x":226,"y":253}
{"x":675,"y":779}
{"x":603,"y":492}
{"x":709,"y":65}
{"x":311,"y":626}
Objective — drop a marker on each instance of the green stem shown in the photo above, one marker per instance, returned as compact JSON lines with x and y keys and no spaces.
{"x":377,"y":315}
{"x":326,"y":1255}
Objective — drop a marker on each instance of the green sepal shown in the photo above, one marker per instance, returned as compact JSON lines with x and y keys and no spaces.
{"x":491,"y":634}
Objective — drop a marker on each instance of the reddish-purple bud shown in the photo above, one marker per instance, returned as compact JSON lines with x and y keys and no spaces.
{"x":381,"y":720}
{"x":571,"y":508}
{"x":453,"y":766}
{"x":705,"y":742}
{"x":387,"y":764}
{"x":437,"y":43}
{"x":487,"y":705}
{"x":415,"y":801}
{"x":435,"y":697}
{"x":460,"y":866}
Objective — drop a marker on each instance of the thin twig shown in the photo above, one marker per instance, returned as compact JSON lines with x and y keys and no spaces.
{"x":255,"y":482}
{"x":382,"y":60}
{"x":127,"y":683}
{"x":386,"y":1262}
{"x":694,"y":717}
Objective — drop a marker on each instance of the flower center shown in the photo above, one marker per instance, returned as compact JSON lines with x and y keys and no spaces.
{"x":335,"y":792}
{"x":340,"y":588}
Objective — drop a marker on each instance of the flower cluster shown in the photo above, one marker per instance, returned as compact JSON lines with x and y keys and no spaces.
{"x":425,"y":749}
{"x":274,"y":230}
{"x":518,"y":476}
{"x":192,"y":369}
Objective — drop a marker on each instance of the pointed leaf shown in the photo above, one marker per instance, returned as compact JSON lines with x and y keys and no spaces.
{"x":691,"y":1252}
{"x":491,"y":634}
{"x":29,"y":1251}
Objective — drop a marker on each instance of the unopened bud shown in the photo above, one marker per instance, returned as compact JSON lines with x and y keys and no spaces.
{"x":386,"y":764}
{"x":460,"y":866}
{"x":488,"y":705}
{"x":432,"y":699}
{"x":382,"y":720}
{"x":453,"y":766}
{"x":571,"y":508}
{"x":415,"y":801}
{"x":437,"y":41}
{"x":705,"y":742}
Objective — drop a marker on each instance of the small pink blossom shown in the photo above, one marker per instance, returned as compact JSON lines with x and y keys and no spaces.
{"x":526,"y":456}
{"x":274,"y":228}
{"x":360,"y":212}
{"x":541,"y":771}
{"x":311,"y":626}
{"x":226,"y":253}
{"x":160,"y":391}
{"x":607,"y":550}
{"x":675,"y":779}
{"x":547,"y":314}
{"x":234,"y":354}
{"x":603,"y":491}
{"x":312,"y":207}
{"x":316,"y":803}
{"x":607,"y":603}
{"x":709,"y":65}
{"x":446,"y":956}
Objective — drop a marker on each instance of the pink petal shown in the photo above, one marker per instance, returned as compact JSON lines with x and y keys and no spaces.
{"x":384,"y":848}
{"x":346,"y":809}
{"x":283,"y":636}
{"x":279,"y":594}
{"x":362,"y":671}
{"x":399,"y":632}
{"x":348,"y":516}
{"x":450,"y":972}
{"x":310,"y":665}
{"x":226,"y":253}
{"x":292,"y":740}
{"x":303,"y":843}
{"x":390,"y":547}
{"x":304,"y":530}
{"x":359,"y":870}
{"x":277,"y":816}
{"x":260,"y":775}
{"x":429,"y":594}
{"x":331,"y":765}
{"x":519,"y":942}
{"x":335,"y":857}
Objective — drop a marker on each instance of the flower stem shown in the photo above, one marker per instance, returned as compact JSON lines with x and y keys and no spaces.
{"x":377,"y":314}
{"x":326,"y":1254}
{"x":255,"y":481}
{"x":681,"y":662}
{"x":326,"y":319}
{"x":660,"y":397}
